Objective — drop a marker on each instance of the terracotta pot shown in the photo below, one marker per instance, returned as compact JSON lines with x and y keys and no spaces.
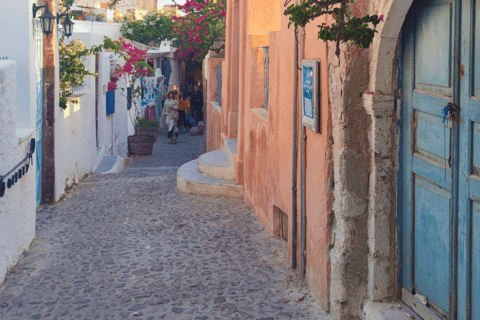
{"x":141,"y":145}
{"x":139,"y":131}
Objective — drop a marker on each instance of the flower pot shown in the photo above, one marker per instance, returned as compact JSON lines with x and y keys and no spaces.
{"x":139,"y":131}
{"x":141,"y":146}
{"x":90,"y":18}
{"x":102,"y":19}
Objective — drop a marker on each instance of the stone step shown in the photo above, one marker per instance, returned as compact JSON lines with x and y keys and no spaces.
{"x":110,"y":164}
{"x":189,"y":180}
{"x":216,"y":165}
{"x":230,"y":148}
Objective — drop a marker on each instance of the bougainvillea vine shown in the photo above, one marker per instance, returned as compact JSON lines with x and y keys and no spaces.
{"x":196,"y":32}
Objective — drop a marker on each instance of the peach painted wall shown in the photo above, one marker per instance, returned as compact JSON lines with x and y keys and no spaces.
{"x":267,"y":142}
{"x":214,"y":116}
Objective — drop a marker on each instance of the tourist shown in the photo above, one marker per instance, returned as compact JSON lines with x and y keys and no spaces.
{"x":170,"y":114}
{"x":197,"y":104}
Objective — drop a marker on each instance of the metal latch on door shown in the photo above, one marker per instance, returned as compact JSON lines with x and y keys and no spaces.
{"x":451,"y":109}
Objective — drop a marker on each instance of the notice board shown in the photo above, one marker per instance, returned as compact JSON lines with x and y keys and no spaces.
{"x":311,"y":94}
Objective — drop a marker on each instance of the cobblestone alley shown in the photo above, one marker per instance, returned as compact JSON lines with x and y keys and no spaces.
{"x":130,"y":245}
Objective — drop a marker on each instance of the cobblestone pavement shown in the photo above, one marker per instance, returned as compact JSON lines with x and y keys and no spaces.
{"x":130,"y":245}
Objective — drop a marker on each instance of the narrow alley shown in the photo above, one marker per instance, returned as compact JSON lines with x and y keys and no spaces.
{"x":129,"y":245}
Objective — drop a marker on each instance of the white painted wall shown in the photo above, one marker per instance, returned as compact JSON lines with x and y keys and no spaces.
{"x":17,"y":207}
{"x":17,"y":127}
{"x":16,"y":42}
{"x":96,"y":29}
{"x":78,"y":151}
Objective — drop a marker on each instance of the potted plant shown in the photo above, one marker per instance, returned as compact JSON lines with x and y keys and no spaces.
{"x":135,"y":67}
{"x":102,"y":17}
{"x":145,"y":127}
{"x":90,"y":16}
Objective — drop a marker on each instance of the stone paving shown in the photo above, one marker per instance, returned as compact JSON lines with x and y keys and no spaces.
{"x":130,"y":246}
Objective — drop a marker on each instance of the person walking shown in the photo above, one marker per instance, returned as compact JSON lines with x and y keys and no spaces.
{"x":182,"y":109}
{"x":170,"y":114}
{"x":197,"y":104}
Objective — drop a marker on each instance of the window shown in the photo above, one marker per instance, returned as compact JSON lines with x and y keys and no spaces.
{"x":219,"y":84}
{"x":266,"y":80}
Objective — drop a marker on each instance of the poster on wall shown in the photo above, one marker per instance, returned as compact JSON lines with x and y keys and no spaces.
{"x":311,"y":94}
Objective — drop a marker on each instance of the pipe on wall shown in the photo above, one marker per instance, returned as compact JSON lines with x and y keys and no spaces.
{"x":303,"y":169}
{"x":294,"y":152}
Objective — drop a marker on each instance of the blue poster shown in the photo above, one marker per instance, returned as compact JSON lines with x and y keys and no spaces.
{"x":308,"y":110}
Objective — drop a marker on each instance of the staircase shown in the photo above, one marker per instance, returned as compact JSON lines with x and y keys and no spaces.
{"x":212,"y":174}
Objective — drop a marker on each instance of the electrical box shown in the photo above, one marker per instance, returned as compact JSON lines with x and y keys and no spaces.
{"x":311,"y":94}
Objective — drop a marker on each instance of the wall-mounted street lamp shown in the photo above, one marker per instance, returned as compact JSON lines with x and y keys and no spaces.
{"x":48,"y":20}
{"x":67,"y":24}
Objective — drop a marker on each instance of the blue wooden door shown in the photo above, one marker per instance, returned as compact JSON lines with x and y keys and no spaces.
{"x":439,"y":188}
{"x":39,"y":106}
{"x":469,"y":165}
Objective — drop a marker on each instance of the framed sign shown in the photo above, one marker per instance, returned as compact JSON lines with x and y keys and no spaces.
{"x":311,"y":94}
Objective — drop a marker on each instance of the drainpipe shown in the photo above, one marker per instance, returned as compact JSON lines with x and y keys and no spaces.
{"x":303,"y":169}
{"x":294,"y":152}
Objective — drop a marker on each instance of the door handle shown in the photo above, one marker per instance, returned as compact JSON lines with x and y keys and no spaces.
{"x":452,"y":110}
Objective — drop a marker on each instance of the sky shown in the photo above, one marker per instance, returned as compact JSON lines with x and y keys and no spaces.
{"x":164,"y":2}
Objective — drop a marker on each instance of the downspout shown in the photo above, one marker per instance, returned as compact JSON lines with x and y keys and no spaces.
{"x":303,"y":169}
{"x":294,"y":152}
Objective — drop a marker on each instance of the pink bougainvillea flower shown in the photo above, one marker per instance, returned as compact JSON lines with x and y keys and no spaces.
{"x":380,"y":18}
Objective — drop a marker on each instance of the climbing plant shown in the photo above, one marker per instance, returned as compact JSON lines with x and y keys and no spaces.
{"x":345,"y":28}
{"x":202,"y":24}
{"x":72,"y":69}
{"x":152,"y":30}
{"x":133,"y":68}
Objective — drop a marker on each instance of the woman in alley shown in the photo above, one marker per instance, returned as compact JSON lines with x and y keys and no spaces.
{"x":170,"y":113}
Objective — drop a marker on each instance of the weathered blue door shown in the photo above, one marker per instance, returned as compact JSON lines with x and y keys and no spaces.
{"x":439,"y":188}
{"x":469,"y":164}
{"x":39,"y":102}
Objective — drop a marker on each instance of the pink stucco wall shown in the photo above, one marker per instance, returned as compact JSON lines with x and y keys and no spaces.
{"x":213,"y":116}
{"x":264,"y":162}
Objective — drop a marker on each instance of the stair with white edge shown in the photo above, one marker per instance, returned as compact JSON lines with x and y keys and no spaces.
{"x":230,"y":148}
{"x":215,"y":164}
{"x":190,"y":180}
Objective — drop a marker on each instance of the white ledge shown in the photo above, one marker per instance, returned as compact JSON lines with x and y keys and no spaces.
{"x":78,"y":94}
{"x":23,"y":134}
{"x":216,"y":105}
{"x":260,"y":112}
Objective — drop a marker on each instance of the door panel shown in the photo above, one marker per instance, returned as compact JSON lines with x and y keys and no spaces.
{"x":475,"y":264}
{"x":469,"y":164}
{"x":443,"y":191}
{"x":433,"y":54}
{"x":426,"y":173}
{"x":432,"y":245}
{"x":39,"y":102}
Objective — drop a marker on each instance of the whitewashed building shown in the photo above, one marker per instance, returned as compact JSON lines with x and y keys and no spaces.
{"x":20,"y":86}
